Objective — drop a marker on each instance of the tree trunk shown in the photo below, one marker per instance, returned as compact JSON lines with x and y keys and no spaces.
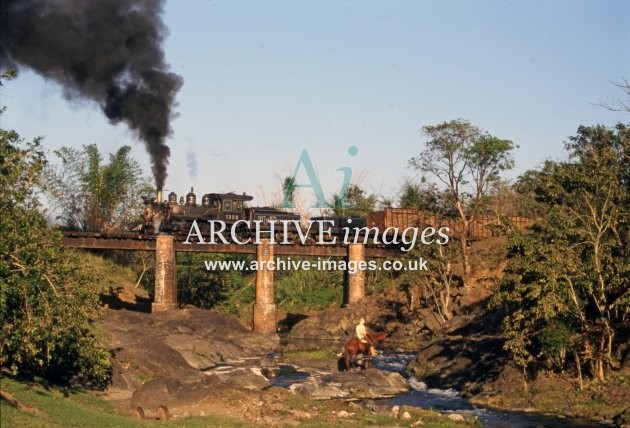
{"x":578,"y":365}
{"x":144,"y":270}
{"x":464,"y":241}
{"x":599,"y":364}
{"x":525,"y":385}
{"x":465,"y":258}
{"x":600,"y":359}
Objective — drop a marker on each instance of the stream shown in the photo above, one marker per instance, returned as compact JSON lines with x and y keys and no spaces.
{"x":449,"y":401}
{"x":445,"y":401}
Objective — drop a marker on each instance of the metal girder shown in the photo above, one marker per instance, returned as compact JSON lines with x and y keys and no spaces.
{"x":141,"y":243}
{"x":108,"y":243}
{"x":216,"y":248}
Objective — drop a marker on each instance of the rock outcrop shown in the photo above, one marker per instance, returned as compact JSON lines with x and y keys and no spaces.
{"x":177,"y":344}
{"x":179,"y":360}
{"x":370,"y":383}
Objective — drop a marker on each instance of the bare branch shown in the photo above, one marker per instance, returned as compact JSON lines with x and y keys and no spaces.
{"x":619,"y":104}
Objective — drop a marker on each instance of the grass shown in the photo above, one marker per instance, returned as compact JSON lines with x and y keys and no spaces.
{"x":309,"y":290}
{"x":57,"y":407}
{"x":61,"y":408}
{"x":362,"y":418}
{"x":324,"y":414}
{"x":315,"y":353}
{"x":114,"y":274}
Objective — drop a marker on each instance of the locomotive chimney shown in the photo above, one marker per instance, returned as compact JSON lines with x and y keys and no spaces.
{"x":159,"y":196}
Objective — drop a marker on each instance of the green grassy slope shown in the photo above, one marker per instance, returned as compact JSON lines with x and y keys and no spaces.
{"x":56,"y":408}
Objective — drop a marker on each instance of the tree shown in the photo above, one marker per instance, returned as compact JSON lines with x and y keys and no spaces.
{"x":288,"y":189}
{"x":436,"y":286}
{"x":567,"y":285}
{"x":425,"y":196}
{"x":47,"y":297}
{"x":466,"y":161}
{"x":92,"y":196}
{"x":505,"y":200}
{"x":207,"y":288}
{"x":358,"y":202}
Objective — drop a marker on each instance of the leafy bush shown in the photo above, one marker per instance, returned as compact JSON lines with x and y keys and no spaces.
{"x":567,"y":284}
{"x":47,"y":297}
{"x":200,"y":287}
{"x":555,"y":340}
{"x":308,"y":289}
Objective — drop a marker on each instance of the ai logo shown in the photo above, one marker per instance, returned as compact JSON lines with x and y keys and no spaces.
{"x":313,"y":182}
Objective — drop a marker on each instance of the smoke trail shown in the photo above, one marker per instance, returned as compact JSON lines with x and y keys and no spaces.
{"x":191,"y":163}
{"x":104,"y":50}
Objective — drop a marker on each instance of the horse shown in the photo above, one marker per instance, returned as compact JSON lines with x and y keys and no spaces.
{"x":354,"y":347}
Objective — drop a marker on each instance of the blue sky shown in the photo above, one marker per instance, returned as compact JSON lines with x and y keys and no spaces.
{"x":264,"y":80}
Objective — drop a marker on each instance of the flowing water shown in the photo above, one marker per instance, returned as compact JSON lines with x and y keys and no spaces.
{"x":449,"y":401}
{"x":443,"y":400}
{"x":287,"y":376}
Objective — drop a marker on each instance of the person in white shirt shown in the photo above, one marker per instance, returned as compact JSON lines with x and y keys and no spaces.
{"x":364,"y":336}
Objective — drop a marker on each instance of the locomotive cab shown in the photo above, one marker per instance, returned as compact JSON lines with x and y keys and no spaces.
{"x":230,"y":206}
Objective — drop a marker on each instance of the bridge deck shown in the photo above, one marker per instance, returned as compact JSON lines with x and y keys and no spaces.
{"x":138,"y":242}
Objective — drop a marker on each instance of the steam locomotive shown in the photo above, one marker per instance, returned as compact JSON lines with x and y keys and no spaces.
{"x":176,"y":217}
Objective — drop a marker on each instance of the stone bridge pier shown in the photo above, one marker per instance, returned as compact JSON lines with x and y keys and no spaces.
{"x":354,"y":281}
{"x":165,"y":296}
{"x":264,"y":307}
{"x":264,"y":310}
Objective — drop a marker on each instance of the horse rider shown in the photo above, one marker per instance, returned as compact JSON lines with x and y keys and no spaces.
{"x":364,"y":336}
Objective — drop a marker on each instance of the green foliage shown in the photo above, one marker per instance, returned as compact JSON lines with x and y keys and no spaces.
{"x":307,"y":289}
{"x":464,"y":158}
{"x":288,"y":189}
{"x":505,"y":200}
{"x":229,"y":291}
{"x":438,"y":284}
{"x":239,"y":300}
{"x":360,"y":203}
{"x":232,"y":291}
{"x":203,"y":288}
{"x":573,"y":272}
{"x":63,"y":408}
{"x":380,"y":279}
{"x":555,"y":339}
{"x":311,"y":353}
{"x":488,"y":157}
{"x":47,"y":299}
{"x":93,"y":196}
{"x":465,"y":161}
{"x":425,"y":196}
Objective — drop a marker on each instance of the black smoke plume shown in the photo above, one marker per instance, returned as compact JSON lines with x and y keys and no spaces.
{"x":108,"y":51}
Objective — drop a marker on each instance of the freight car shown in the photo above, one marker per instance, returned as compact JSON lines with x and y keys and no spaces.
{"x":337,"y":226}
{"x":481,"y":228}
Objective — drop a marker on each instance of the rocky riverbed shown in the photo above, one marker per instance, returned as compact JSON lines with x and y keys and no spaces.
{"x":466,"y":354}
{"x":199,"y":362}
{"x":196,"y":362}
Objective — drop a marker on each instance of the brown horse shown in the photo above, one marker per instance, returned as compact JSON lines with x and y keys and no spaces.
{"x":355,"y":347}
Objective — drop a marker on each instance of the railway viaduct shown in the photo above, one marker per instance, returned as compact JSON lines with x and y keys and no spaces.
{"x":166,"y":246}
